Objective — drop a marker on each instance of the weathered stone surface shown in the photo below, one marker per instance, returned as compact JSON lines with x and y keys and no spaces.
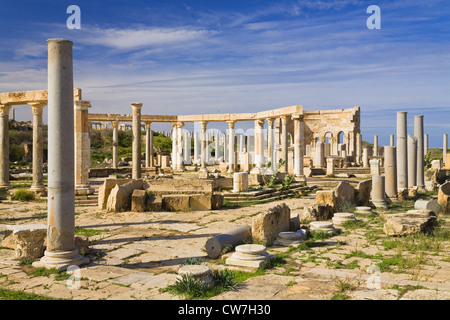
{"x":175,"y":202}
{"x":200,"y":202}
{"x":411,"y":222}
{"x":249,"y":255}
{"x":427,"y":205}
{"x":362,"y":192}
{"x":28,"y":241}
{"x":139,"y":200}
{"x":326,"y":197}
{"x":216,"y":245}
{"x":118,"y":200}
{"x":154,"y":203}
{"x":82,"y":244}
{"x":344,"y":192}
{"x":105,"y":190}
{"x":216,"y":201}
{"x":317,"y":212}
{"x":266,"y":226}
{"x":444,"y":196}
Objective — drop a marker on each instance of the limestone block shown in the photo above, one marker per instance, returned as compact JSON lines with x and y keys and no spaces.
{"x":402,"y":194}
{"x":266,"y":226}
{"x":175,"y":202}
{"x":139,"y":200}
{"x":216,"y":201}
{"x":28,"y":240}
{"x":154,"y":203}
{"x":410,"y":222}
{"x":105,"y":190}
{"x":200,"y":202}
{"x":119,"y":199}
{"x":344,"y":193}
{"x":240,"y":182}
{"x":363,"y":191}
{"x":430,"y":185}
{"x":317,"y":212}
{"x":82,"y":244}
{"x":444,"y":196}
{"x":217,"y":244}
{"x":326,"y":197}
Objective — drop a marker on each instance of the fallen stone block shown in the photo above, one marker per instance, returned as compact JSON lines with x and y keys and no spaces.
{"x":411,"y":222}
{"x":216,"y":201}
{"x":266,"y":226}
{"x":427,"y":205}
{"x":175,"y":202}
{"x":317,"y":212}
{"x":27,"y":240}
{"x":139,"y":201}
{"x":119,"y":199}
{"x":444,"y":196}
{"x":200,"y":202}
{"x":327,"y":197}
{"x":362,"y":193}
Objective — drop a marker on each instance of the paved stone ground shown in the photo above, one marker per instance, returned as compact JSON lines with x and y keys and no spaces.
{"x":138,"y":254}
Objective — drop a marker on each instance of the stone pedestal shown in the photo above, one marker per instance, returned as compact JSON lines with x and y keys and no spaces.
{"x":249,"y":255}
{"x":322,"y":226}
{"x":290,"y":238}
{"x":378,"y":192}
{"x":240,"y":182}
{"x":198,"y":271}
{"x":364,"y":210}
{"x":330,"y":166}
{"x":374,"y":166}
{"x":340,"y":217}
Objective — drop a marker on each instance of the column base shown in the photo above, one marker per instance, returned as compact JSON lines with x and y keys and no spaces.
{"x":40,"y":191}
{"x":61,"y":260}
{"x":300,"y":178}
{"x":380,"y":204}
{"x":5,"y":186}
{"x":83,"y":190}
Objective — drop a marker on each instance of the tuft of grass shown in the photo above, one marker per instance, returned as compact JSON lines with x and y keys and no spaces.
{"x":88,"y":232}
{"x":20,"y":295}
{"x":23,"y":195}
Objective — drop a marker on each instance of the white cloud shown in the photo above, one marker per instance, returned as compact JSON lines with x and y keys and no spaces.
{"x":138,"y":38}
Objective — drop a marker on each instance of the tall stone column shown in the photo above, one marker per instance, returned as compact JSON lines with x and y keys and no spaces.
{"x":284,"y":144}
{"x":390,"y":172}
{"x":216,"y":148}
{"x":148,"y":145}
{"x":365,"y":156}
{"x":425,"y":144}
{"x":375,"y":145}
{"x":203,"y":147}
{"x":38,"y":148}
{"x":412,"y":161}
{"x":136,"y":168}
{"x":418,"y":133}
{"x":444,"y":148}
{"x":196,"y":153}
{"x":231,"y":157}
{"x":180,"y":164}
{"x":298,"y":146}
{"x":402,"y":151}
{"x":259,"y":147}
{"x":115,"y":144}
{"x":61,"y":251}
{"x":82,"y":148}
{"x":270,"y":144}
{"x":187,"y":148}
{"x":4,"y":146}
{"x":358,"y":148}
{"x":392,"y":140}
{"x":174,"y":156}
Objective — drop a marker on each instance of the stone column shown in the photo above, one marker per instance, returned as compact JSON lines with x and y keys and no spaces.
{"x":392,"y":141}
{"x":82,"y":148}
{"x":259,"y":146}
{"x":298,"y":146}
{"x":203,"y":147}
{"x":38,"y":148}
{"x":136,"y":168}
{"x":402,"y":148}
{"x":180,"y":163}
{"x":425,"y":144}
{"x":444,"y":148}
{"x":115,"y":144}
{"x":196,"y":145}
{"x":330,"y":166}
{"x":148,"y":145}
{"x":231,"y":158}
{"x":375,"y":166}
{"x":187,"y":148}
{"x":174,"y":156}
{"x":390,"y":172}
{"x":412,"y":161}
{"x":61,"y":251}
{"x":375,"y":145}
{"x":378,"y":192}
{"x":284,"y":144}
{"x":365,"y":157}
{"x":418,"y":133}
{"x":319,"y":155}
{"x":4,"y":146}
{"x":270,"y":146}
{"x":358,"y":148}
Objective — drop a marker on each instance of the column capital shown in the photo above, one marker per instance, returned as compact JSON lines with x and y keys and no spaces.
{"x":82,"y":105}
{"x":297,"y":117}
{"x":4,"y":109}
{"x":136,"y":105}
{"x":148,"y":124}
{"x":203,"y":124}
{"x":283,"y":119}
{"x":259,"y":122}
{"x":270,"y":121}
{"x":231,"y":124}
{"x":115,"y":124}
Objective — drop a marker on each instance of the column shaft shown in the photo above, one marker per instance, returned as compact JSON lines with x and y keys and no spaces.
{"x":231,"y":157}
{"x":418,"y":133}
{"x":115,"y":144}
{"x":136,"y":168}
{"x":284,"y":144}
{"x":402,"y":148}
{"x":4,"y":146}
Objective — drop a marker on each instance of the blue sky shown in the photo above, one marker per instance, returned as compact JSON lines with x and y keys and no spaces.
{"x":192,"y":57}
